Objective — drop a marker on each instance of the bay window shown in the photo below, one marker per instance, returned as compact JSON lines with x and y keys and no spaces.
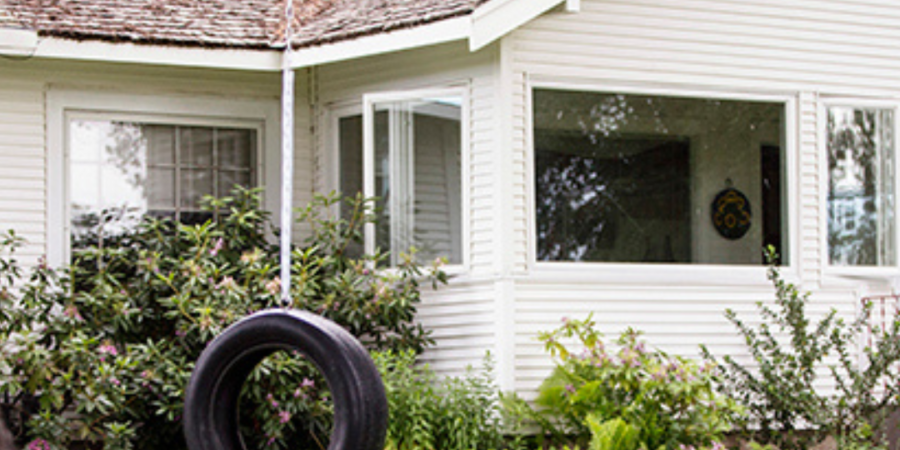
{"x":657,"y":179}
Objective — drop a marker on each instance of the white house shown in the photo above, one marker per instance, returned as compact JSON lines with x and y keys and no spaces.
{"x":628,"y":158}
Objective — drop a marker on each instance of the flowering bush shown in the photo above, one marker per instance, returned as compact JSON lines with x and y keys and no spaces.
{"x":669,"y":400}
{"x":103,"y":351}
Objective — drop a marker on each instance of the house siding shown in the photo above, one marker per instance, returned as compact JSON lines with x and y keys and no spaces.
{"x":799,"y":51}
{"x":22,"y":161}
{"x":25,"y":86}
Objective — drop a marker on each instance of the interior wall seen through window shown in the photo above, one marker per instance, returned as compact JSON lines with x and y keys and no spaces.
{"x":637,"y":178}
{"x":121,"y":171}
{"x":417,"y":172}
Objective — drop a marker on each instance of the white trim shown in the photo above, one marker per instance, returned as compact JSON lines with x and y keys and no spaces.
{"x":368,"y":105}
{"x":500,"y":17}
{"x":485,"y":25}
{"x":63,"y":105}
{"x":17,"y":42}
{"x":257,"y":60}
{"x":853,"y":275}
{"x":437,"y":33}
{"x":672,"y":274}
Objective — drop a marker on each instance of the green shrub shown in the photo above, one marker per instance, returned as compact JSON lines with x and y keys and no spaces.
{"x":114,"y":337}
{"x":669,"y":400}
{"x":427,"y":413}
{"x":790,"y":352}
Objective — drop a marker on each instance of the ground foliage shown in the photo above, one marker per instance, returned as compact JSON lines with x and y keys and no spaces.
{"x":666,"y":402}
{"x":102,"y":351}
{"x":792,"y":354}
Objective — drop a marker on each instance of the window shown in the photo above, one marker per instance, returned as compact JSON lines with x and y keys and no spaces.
{"x":409,"y":159}
{"x":120,"y":171}
{"x":655,"y":179}
{"x":114,"y":156}
{"x":861,"y":189}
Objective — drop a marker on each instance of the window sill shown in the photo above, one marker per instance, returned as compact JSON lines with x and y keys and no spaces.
{"x":870,"y":276}
{"x":653,"y":275}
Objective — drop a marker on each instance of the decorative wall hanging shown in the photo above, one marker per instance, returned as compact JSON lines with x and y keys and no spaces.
{"x":731,"y":213}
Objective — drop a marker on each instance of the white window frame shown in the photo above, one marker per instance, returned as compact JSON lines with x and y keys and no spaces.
{"x":666,"y":274}
{"x":63,"y":106}
{"x":367,"y":110}
{"x":854,"y":274}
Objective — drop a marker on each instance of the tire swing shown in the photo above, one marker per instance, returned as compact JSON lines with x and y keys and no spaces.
{"x":213,"y":394}
{"x":211,"y":403}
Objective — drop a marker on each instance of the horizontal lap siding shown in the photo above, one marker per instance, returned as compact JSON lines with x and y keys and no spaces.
{"x":23,"y":135}
{"x":22,"y":175}
{"x":462,"y":315}
{"x":802,"y":49}
{"x":676,"y":320}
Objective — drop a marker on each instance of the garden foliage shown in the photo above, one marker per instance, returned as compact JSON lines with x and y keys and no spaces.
{"x":102,"y":351}
{"x":428,"y":413}
{"x":668,"y":401}
{"x":791,"y":353}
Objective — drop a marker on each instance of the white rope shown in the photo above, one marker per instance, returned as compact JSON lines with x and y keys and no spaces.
{"x":287,"y":156}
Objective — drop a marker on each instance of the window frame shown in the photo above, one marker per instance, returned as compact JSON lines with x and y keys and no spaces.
{"x":838,"y":273}
{"x":366,"y":109}
{"x":64,"y":106}
{"x":658,"y":274}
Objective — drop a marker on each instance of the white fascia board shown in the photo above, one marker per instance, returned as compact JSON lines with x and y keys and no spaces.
{"x":437,"y":33}
{"x":237,"y":59}
{"x":17,"y":42}
{"x":573,"y":6}
{"x":500,"y":17}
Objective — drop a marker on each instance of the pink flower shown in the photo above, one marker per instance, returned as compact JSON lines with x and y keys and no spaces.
{"x":72,"y":313}
{"x":218,"y":247}
{"x":38,"y":444}
{"x":108,"y":349}
{"x":115,"y":381}
{"x":274,"y":286}
{"x":284,"y":417}
{"x":307,"y":383}
{"x":570,"y":388}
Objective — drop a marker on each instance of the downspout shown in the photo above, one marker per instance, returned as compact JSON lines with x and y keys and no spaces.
{"x":287,"y":155}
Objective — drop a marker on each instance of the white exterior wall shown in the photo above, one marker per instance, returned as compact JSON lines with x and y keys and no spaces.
{"x":798,"y":52}
{"x":463,"y":315}
{"x":25,"y":86}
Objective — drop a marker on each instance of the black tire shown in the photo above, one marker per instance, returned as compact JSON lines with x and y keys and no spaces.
{"x":211,"y":401}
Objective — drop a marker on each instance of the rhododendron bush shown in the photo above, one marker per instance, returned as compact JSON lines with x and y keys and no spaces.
{"x":102,"y":351}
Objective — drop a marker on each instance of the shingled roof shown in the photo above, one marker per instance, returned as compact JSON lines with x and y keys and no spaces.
{"x":249,"y":24}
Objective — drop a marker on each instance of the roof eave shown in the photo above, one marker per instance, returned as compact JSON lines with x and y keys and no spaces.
{"x":484,"y":26}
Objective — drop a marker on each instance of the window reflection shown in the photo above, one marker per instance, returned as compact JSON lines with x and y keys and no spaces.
{"x":860,"y":187}
{"x":630,"y":178}
{"x":121,"y":171}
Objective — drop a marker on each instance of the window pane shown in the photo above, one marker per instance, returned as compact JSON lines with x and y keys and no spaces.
{"x":861,"y":187}
{"x":161,"y":142}
{"x":195,"y":183}
{"x":630,"y":178}
{"x":236,"y":148}
{"x":418,"y":177}
{"x":196,"y":146}
{"x":228,"y":179}
{"x":161,"y":187}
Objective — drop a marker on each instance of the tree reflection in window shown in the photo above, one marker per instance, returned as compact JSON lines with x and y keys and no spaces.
{"x":121,"y":171}
{"x":631,"y":178}
{"x":860,"y":187}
